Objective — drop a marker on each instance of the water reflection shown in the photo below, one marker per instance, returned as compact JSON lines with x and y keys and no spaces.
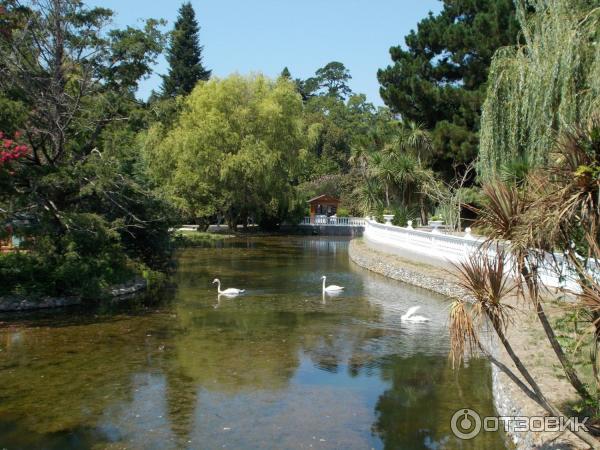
{"x":283,"y":366}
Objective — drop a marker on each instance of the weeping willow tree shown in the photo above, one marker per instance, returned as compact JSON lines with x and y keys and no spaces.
{"x":542,"y":86}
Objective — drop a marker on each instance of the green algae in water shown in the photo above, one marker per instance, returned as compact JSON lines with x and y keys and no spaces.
{"x":280,"y":367}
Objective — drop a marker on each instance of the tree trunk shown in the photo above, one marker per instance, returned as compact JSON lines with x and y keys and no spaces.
{"x":560,"y":354}
{"x":387,"y":196}
{"x":422,"y":210}
{"x":535,"y":393}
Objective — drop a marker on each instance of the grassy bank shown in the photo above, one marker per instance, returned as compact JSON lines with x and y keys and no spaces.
{"x":190,"y":238}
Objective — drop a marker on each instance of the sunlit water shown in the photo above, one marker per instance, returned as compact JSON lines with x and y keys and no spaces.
{"x":280,"y":367}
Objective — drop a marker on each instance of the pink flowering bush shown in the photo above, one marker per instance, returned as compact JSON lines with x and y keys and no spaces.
{"x":11,"y":149}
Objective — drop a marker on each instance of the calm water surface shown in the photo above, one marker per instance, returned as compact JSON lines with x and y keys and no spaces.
{"x":278,"y":368}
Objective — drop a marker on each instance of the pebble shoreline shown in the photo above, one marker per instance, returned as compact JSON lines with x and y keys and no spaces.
{"x":367,"y":258}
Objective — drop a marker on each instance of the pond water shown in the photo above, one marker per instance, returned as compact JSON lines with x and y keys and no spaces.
{"x":280,"y":367}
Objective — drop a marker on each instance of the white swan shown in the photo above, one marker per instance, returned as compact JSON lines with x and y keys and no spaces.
{"x":229,"y":291}
{"x":331,"y":287}
{"x":409,"y":317}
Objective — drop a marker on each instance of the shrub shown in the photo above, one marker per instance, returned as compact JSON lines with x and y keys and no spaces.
{"x":403,"y":214}
{"x":83,"y":261}
{"x":343,"y":212}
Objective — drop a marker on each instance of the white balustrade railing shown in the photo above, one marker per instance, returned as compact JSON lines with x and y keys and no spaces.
{"x":436,"y":245}
{"x":334,"y":221}
{"x":437,"y":248}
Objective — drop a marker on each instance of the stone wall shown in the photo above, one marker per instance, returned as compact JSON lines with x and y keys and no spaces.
{"x":17,"y":303}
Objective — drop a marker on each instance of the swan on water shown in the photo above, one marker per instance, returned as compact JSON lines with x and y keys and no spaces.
{"x":331,"y":287}
{"x":410,"y":317}
{"x":228,"y":291}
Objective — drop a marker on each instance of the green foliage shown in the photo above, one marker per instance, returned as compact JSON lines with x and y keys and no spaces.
{"x":184,"y":55}
{"x":402,"y":214}
{"x":234,"y":151}
{"x":369,"y":196}
{"x":83,"y":261}
{"x":393,"y":167}
{"x":439,"y":80}
{"x":330,"y":80}
{"x":285,"y":73}
{"x":336,"y":185}
{"x":333,"y":78}
{"x":343,"y":212}
{"x":334,"y":128}
{"x":579,"y":346}
{"x":542,"y":87}
{"x":78,"y":198}
{"x":184,"y":239}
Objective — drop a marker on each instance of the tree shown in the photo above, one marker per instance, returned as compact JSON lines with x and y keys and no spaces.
{"x":554,"y":210}
{"x":307,"y":88}
{"x":330,"y":80}
{"x":285,"y":73}
{"x":184,"y":55}
{"x":488,"y":283}
{"x":74,"y":192}
{"x":542,"y":87}
{"x":415,"y":142}
{"x":334,"y":127}
{"x":440,"y":79}
{"x":234,"y":151}
{"x":334,"y":79}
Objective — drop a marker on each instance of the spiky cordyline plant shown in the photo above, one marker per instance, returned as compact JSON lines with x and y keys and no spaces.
{"x":487,"y":282}
{"x":507,"y":217}
{"x":567,"y":191}
{"x":566,"y":208}
{"x":484,"y":279}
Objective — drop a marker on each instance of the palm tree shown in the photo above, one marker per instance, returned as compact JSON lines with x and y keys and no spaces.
{"x":398,"y":165}
{"x":414,"y":141}
{"x":486,"y":280}
{"x":382,"y":168}
{"x":505,"y":218}
{"x":368,"y":194}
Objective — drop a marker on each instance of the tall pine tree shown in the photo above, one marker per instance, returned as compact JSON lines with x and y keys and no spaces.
{"x":184,"y":55}
{"x":439,"y":80}
{"x":285,"y":73}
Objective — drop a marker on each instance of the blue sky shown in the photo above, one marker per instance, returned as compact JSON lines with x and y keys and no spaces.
{"x":266,"y":35}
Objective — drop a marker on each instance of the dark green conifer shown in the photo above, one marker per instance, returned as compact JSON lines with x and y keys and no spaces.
{"x":184,"y":55}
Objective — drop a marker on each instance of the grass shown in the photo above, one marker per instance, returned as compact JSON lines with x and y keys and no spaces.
{"x":190,"y":238}
{"x":579,"y":346}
